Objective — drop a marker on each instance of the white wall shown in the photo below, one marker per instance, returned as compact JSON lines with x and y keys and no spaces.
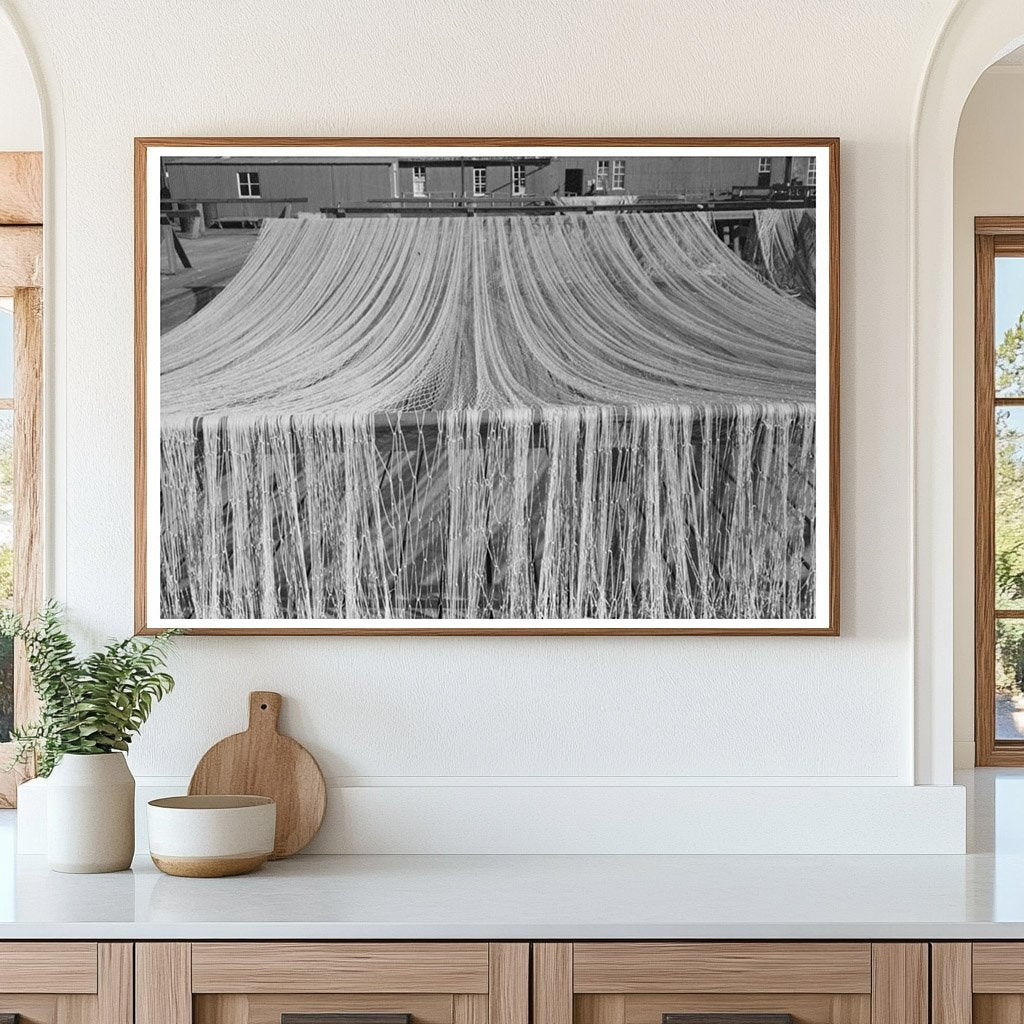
{"x":463,"y":711}
{"x":988,"y":180}
{"x":21,"y":126}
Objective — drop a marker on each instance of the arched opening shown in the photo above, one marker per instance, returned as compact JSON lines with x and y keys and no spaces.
{"x":976,"y":36}
{"x":986,"y":419}
{"x":21,"y":144}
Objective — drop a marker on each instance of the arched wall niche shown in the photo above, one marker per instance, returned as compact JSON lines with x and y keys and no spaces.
{"x":975,"y":35}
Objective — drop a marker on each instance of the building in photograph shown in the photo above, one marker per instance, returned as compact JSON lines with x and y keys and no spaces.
{"x":203,"y":194}
{"x":242,"y":190}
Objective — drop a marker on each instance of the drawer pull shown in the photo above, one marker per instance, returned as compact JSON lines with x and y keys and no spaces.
{"x":342,"y":1018}
{"x":727,"y":1018}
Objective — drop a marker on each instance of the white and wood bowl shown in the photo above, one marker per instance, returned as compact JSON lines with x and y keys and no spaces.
{"x":211,"y":836}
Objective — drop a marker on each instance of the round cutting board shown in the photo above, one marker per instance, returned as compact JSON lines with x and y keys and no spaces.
{"x":262,"y":762}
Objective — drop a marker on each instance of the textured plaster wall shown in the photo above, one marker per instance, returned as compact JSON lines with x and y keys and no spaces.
{"x":814,"y":711}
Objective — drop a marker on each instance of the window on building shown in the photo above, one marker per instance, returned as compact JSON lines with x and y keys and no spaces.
{"x":518,"y":180}
{"x":618,"y":174}
{"x":999,"y":492}
{"x":764,"y":171}
{"x":419,"y":180}
{"x":248,"y":185}
{"x":479,"y":180}
{"x":812,"y":172}
{"x":601,"y":180}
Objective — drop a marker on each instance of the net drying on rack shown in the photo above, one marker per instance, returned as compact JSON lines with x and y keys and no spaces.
{"x":786,"y":250}
{"x":564,"y":417}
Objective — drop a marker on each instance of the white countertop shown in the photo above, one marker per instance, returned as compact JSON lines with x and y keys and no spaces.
{"x":496,"y":897}
{"x":977,"y":896}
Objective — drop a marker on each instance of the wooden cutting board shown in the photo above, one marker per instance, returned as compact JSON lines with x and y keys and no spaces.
{"x":262,"y":762}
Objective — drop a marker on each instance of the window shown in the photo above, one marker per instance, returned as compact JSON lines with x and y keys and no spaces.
{"x":479,"y":180}
{"x":419,"y":180}
{"x":764,"y":171}
{"x":618,"y":174}
{"x":21,"y":365}
{"x":812,"y":172}
{"x":999,"y":491}
{"x":602,"y":176}
{"x":518,"y":180}
{"x":6,"y":514}
{"x":20,"y":584}
{"x":248,"y":185}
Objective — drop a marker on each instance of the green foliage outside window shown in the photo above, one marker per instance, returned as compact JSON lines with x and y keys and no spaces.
{"x":1009,"y":510}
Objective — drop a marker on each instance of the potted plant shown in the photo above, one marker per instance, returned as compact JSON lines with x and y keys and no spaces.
{"x":90,"y":708}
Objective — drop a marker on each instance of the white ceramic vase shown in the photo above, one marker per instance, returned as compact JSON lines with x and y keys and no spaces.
{"x":90,"y":814}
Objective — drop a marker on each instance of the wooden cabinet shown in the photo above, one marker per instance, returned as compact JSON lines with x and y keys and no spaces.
{"x":66,"y":982}
{"x":752,"y":982}
{"x":978,"y":983}
{"x":494,"y":983}
{"x":264,"y":982}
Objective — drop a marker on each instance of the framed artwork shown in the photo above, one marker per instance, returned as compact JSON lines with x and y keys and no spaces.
{"x":502,"y":386}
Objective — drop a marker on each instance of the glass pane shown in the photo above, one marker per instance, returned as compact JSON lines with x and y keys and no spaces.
{"x":1009,"y":317}
{"x":6,"y":352}
{"x":1009,"y":679}
{"x":1009,"y":538}
{"x":6,"y":567}
{"x":1009,"y":510}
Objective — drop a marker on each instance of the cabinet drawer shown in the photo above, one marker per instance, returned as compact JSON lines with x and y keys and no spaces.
{"x":730,"y":983}
{"x":340,"y":967}
{"x":66,"y":982}
{"x":635,"y":967}
{"x":981,"y":982}
{"x":998,"y":967}
{"x":332,"y":983}
{"x":58,"y":967}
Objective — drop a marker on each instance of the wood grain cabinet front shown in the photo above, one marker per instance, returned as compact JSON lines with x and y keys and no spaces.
{"x":978,"y":983}
{"x":730,"y":983}
{"x":66,"y":982}
{"x":332,"y":983}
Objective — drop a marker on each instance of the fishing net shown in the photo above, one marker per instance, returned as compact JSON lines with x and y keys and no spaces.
{"x":560,"y":417}
{"x":786,"y":246}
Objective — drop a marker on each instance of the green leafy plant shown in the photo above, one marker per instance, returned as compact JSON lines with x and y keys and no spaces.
{"x":90,"y":705}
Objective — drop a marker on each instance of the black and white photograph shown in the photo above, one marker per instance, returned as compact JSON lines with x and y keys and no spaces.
{"x":475,"y":388}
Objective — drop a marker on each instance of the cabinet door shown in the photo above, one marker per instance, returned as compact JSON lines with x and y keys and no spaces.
{"x":66,"y":983}
{"x":980,"y":982}
{"x":730,"y":983}
{"x":332,"y":983}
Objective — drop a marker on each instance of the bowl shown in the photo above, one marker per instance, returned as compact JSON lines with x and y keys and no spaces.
{"x":211,"y":836}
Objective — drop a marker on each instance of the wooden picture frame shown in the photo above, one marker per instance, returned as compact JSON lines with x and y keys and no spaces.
{"x":148,"y":213}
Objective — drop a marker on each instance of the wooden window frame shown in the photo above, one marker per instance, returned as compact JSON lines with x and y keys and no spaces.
{"x":250,"y":179}
{"x":21,"y":273}
{"x":479,"y":175}
{"x":419,"y":180}
{"x":618,"y":175}
{"x":519,"y":179}
{"x":602,"y":176}
{"x":993,"y":237}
